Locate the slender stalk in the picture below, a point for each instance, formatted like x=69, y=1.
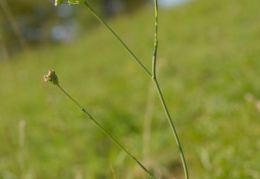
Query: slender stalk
x=155, y=41
x=122, y=43
x=173, y=129
x=111, y=137
x=154, y=78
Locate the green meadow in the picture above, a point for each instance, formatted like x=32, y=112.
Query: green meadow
x=209, y=70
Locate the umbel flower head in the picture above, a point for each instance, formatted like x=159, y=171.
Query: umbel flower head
x=51, y=77
x=57, y=2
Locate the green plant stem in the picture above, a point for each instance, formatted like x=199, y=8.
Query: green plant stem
x=154, y=78
x=173, y=128
x=111, y=137
x=122, y=43
x=155, y=41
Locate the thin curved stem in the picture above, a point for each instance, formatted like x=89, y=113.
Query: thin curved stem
x=153, y=75
x=110, y=136
x=116, y=36
x=154, y=78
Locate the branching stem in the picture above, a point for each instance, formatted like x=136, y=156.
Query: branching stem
x=152, y=76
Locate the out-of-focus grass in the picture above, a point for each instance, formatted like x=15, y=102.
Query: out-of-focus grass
x=209, y=54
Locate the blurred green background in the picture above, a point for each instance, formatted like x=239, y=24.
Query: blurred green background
x=209, y=68
x=37, y=23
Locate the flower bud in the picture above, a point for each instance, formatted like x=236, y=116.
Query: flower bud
x=51, y=77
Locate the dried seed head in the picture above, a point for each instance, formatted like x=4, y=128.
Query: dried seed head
x=51, y=77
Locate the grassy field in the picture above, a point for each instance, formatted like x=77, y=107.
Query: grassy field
x=209, y=73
